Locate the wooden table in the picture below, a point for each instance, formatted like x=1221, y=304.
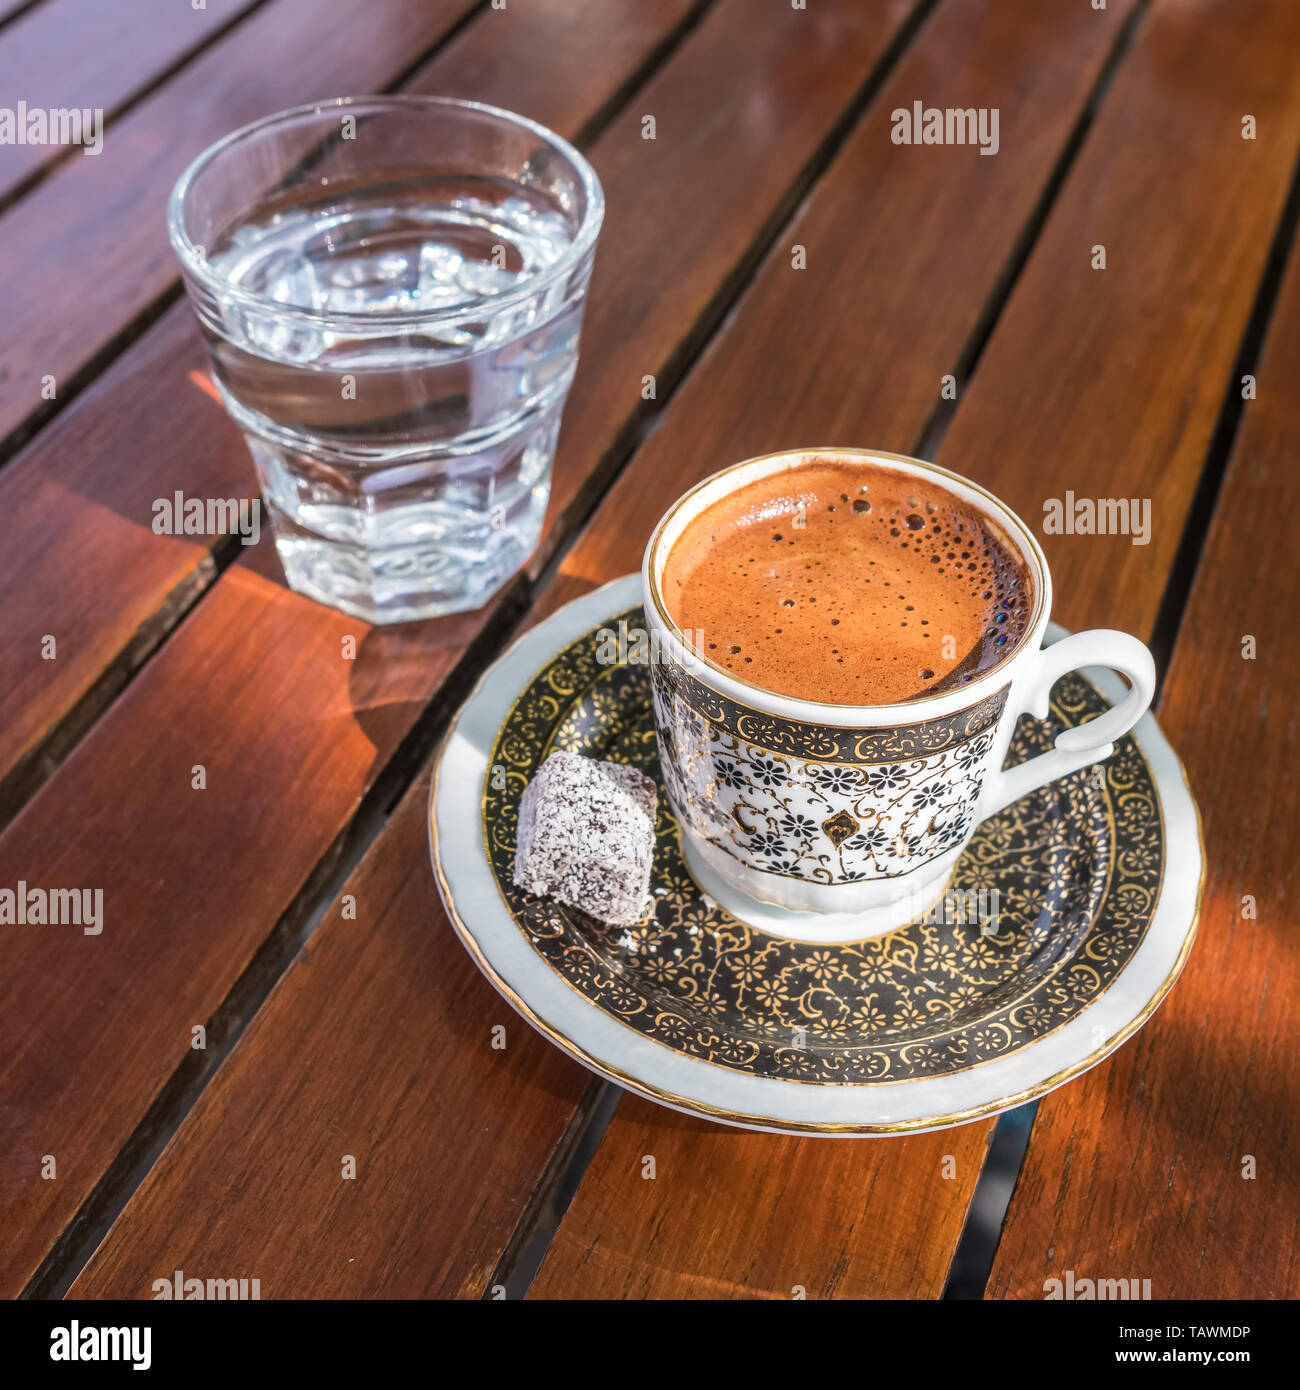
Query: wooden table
x=276, y=999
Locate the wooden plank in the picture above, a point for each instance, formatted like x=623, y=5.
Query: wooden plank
x=292, y=736
x=1011, y=52
x=816, y=1218
x=1178, y=1160
x=83, y=564
x=80, y=564
x=87, y=250
x=1040, y=378
x=83, y=54
x=1108, y=383
x=445, y=1156
x=498, y=59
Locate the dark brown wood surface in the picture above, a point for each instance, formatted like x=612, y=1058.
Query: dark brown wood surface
x=450, y=1134
x=251, y=796
x=1178, y=1160
x=726, y=1214
x=961, y=267
x=1108, y=383
x=84, y=54
x=215, y=694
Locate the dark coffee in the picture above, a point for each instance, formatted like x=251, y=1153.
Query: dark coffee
x=848, y=583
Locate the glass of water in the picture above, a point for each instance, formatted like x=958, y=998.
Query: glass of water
x=391, y=290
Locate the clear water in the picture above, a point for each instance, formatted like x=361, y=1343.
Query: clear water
x=406, y=470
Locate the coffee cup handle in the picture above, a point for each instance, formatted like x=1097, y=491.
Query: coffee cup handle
x=1085, y=743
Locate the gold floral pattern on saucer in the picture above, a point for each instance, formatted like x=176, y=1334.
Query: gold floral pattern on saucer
x=1047, y=905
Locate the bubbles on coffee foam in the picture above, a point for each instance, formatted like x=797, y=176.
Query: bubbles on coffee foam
x=773, y=557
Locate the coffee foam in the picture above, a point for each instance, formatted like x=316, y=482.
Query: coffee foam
x=838, y=581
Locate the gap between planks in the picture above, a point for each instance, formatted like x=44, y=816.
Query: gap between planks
x=945, y=411
x=16, y=12
x=1173, y=603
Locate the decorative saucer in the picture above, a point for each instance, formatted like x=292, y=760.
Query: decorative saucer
x=1093, y=882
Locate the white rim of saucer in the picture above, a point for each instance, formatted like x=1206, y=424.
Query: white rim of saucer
x=610, y=1048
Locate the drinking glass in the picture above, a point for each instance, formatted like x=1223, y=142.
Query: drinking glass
x=391, y=290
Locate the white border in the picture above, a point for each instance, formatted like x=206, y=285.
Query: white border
x=929, y=1103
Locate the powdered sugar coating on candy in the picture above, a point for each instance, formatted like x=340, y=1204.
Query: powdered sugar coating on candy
x=586, y=836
